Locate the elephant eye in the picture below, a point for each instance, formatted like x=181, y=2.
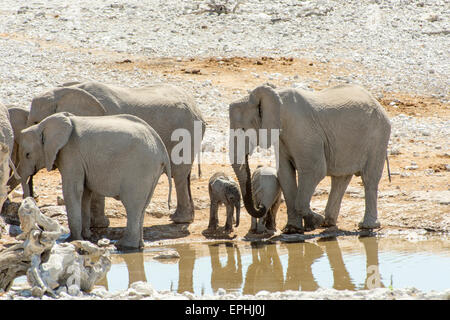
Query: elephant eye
x=27, y=155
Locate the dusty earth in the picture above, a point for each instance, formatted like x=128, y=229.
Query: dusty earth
x=411, y=201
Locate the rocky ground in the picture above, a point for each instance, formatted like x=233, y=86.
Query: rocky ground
x=396, y=49
x=144, y=291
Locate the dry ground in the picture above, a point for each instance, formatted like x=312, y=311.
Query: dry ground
x=397, y=209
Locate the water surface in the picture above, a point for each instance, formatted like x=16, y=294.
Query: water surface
x=352, y=264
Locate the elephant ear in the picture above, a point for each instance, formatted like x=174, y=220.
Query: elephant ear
x=269, y=103
x=77, y=101
x=56, y=131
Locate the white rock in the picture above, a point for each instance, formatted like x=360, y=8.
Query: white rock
x=143, y=288
x=170, y=254
x=73, y=290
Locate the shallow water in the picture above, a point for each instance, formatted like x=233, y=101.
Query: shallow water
x=353, y=264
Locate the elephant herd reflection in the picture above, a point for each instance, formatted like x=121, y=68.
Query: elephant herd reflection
x=258, y=266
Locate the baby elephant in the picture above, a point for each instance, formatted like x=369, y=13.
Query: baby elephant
x=267, y=192
x=223, y=189
x=117, y=156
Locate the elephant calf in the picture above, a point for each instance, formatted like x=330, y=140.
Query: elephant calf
x=115, y=156
x=266, y=191
x=223, y=190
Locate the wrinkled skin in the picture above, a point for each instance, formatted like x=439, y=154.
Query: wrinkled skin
x=223, y=190
x=114, y=156
x=266, y=192
x=6, y=147
x=164, y=107
x=339, y=132
x=18, y=118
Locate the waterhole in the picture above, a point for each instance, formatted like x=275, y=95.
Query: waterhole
x=352, y=264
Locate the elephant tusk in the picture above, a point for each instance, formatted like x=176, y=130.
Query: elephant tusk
x=14, y=170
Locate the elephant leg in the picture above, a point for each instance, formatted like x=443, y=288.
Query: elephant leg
x=73, y=192
x=288, y=183
x=86, y=213
x=253, y=225
x=338, y=187
x=98, y=217
x=271, y=222
x=132, y=236
x=371, y=176
x=307, y=184
x=261, y=225
x=229, y=221
x=185, y=205
x=135, y=204
x=213, y=215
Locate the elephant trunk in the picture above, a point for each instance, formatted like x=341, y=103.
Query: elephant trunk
x=27, y=187
x=26, y=180
x=244, y=177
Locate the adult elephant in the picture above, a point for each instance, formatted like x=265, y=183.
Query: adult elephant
x=338, y=132
x=164, y=107
x=6, y=147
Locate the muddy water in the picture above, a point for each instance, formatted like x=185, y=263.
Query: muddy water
x=248, y=268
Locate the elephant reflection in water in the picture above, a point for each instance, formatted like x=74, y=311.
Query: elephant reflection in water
x=299, y=274
x=342, y=278
x=228, y=277
x=373, y=277
x=135, y=268
x=186, y=268
x=265, y=272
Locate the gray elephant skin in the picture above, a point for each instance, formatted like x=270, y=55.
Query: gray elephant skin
x=18, y=118
x=223, y=190
x=6, y=147
x=164, y=107
x=266, y=192
x=339, y=132
x=115, y=156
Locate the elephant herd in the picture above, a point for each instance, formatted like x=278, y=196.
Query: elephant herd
x=111, y=141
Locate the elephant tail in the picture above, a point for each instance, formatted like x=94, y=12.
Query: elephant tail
x=388, y=169
x=169, y=177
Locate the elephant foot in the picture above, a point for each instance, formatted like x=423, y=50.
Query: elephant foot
x=313, y=221
x=256, y=231
x=129, y=244
x=183, y=216
x=228, y=229
x=100, y=222
x=328, y=222
x=73, y=238
x=369, y=225
x=291, y=229
x=87, y=234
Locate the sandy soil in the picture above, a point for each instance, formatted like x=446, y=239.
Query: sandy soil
x=397, y=206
